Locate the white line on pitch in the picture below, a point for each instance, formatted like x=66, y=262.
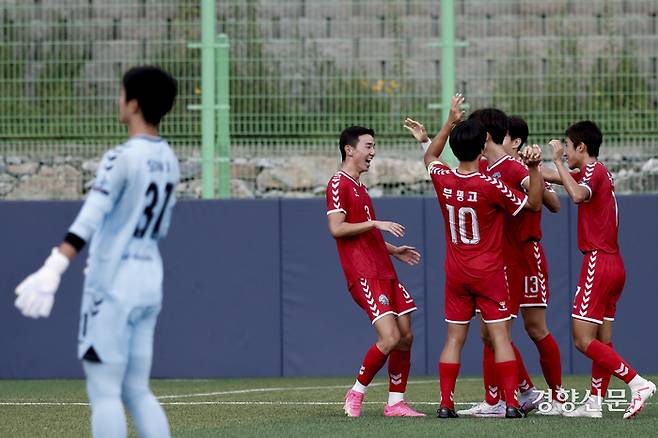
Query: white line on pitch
x=242, y=403
x=287, y=388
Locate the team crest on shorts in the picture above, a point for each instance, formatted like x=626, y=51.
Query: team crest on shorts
x=383, y=299
x=502, y=306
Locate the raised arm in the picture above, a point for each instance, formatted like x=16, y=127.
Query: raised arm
x=549, y=197
x=532, y=158
x=435, y=148
x=576, y=192
x=551, y=175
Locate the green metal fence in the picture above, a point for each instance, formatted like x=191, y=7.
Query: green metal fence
x=302, y=70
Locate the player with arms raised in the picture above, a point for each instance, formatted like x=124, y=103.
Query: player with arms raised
x=474, y=206
x=371, y=278
x=127, y=212
x=524, y=259
x=602, y=275
x=526, y=269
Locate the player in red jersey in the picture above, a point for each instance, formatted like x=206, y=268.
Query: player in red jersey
x=473, y=206
x=532, y=280
x=526, y=269
x=526, y=265
x=602, y=274
x=371, y=278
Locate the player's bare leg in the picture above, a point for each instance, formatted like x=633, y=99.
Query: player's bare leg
x=534, y=319
x=449, y=363
x=585, y=335
x=388, y=337
x=399, y=364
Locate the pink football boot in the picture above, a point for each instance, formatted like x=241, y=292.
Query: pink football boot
x=353, y=400
x=401, y=409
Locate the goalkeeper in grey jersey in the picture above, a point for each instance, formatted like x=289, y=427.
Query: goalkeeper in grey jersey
x=125, y=214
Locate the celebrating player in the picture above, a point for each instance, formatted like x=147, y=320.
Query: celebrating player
x=602, y=275
x=527, y=281
x=127, y=212
x=371, y=278
x=473, y=206
x=530, y=275
x=526, y=271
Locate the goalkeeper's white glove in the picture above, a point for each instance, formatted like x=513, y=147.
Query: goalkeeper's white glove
x=36, y=294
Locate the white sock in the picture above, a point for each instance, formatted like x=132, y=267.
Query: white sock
x=395, y=397
x=637, y=382
x=358, y=387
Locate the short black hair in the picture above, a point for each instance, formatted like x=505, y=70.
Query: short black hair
x=588, y=133
x=350, y=136
x=518, y=128
x=494, y=121
x=154, y=88
x=467, y=139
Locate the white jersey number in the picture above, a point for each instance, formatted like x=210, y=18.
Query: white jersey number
x=461, y=224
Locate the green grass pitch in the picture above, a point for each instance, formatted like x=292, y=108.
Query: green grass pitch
x=301, y=407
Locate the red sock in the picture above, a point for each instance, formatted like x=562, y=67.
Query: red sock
x=600, y=379
x=525, y=382
x=491, y=393
x=549, y=359
x=608, y=360
x=508, y=378
x=448, y=373
x=372, y=363
x=399, y=364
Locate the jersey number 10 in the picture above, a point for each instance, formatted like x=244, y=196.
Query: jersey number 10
x=149, y=211
x=463, y=235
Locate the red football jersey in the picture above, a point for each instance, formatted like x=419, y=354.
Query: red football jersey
x=364, y=255
x=598, y=217
x=523, y=227
x=474, y=208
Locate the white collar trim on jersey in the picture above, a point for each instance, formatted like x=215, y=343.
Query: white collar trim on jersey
x=358, y=183
x=465, y=175
x=500, y=160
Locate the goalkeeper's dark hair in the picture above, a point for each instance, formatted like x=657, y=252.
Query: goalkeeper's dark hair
x=587, y=133
x=153, y=88
x=467, y=139
x=350, y=136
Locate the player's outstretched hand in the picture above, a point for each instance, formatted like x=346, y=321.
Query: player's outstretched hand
x=417, y=129
x=36, y=294
x=456, y=112
x=407, y=254
x=531, y=155
x=558, y=149
x=394, y=228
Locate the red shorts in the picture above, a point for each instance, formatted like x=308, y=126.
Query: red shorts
x=488, y=294
x=379, y=297
x=528, y=279
x=601, y=282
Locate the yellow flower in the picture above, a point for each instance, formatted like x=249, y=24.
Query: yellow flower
x=379, y=86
